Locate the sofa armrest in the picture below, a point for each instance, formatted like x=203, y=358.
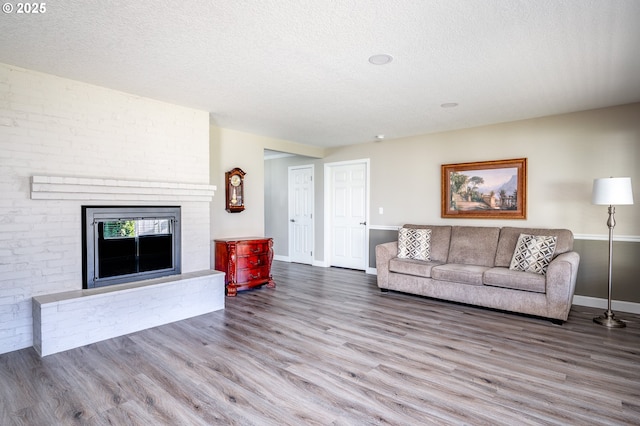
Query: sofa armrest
x=384, y=253
x=562, y=273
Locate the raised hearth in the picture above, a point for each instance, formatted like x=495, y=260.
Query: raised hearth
x=71, y=319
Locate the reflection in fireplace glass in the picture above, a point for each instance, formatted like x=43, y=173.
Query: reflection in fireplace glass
x=132, y=246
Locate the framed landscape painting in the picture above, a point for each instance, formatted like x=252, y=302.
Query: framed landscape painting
x=486, y=189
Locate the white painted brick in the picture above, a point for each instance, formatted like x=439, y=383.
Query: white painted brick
x=8, y=267
x=16, y=312
x=75, y=131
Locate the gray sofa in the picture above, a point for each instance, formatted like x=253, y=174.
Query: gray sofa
x=471, y=265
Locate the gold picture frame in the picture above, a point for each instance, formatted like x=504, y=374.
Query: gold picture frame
x=485, y=190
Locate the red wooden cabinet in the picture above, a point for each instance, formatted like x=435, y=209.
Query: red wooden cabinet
x=245, y=261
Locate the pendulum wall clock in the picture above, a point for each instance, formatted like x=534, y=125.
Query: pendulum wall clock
x=234, y=190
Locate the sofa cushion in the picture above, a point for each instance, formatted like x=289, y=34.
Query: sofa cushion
x=509, y=239
x=414, y=243
x=440, y=239
x=533, y=253
x=517, y=280
x=472, y=245
x=418, y=268
x=465, y=274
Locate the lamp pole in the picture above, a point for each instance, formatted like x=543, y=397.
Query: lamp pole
x=608, y=319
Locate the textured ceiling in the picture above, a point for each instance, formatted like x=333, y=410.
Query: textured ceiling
x=298, y=69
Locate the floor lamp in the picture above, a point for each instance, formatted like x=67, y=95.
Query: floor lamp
x=609, y=192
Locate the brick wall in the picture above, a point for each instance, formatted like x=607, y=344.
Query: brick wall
x=51, y=126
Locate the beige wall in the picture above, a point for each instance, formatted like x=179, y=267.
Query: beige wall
x=232, y=148
x=565, y=153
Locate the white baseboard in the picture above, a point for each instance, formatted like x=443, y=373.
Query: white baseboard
x=616, y=305
x=320, y=263
x=287, y=259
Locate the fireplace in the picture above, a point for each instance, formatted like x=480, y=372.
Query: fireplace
x=129, y=243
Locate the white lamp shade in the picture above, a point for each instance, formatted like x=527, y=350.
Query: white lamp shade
x=612, y=191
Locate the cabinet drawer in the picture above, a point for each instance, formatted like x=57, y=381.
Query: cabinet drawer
x=247, y=262
x=253, y=274
x=254, y=248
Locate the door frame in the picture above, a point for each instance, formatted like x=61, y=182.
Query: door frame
x=328, y=192
x=313, y=219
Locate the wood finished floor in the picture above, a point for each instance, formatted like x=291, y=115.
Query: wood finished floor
x=327, y=347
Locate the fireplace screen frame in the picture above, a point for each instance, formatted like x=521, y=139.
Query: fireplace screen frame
x=93, y=215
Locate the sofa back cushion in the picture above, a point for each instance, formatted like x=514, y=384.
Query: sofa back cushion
x=474, y=245
x=509, y=240
x=440, y=239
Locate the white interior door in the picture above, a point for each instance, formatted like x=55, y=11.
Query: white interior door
x=348, y=215
x=301, y=232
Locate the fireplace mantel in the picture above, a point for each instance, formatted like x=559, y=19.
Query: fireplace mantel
x=105, y=189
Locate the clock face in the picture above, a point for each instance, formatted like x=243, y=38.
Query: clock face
x=235, y=180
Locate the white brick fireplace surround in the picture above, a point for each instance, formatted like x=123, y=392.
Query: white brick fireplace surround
x=70, y=319
x=65, y=144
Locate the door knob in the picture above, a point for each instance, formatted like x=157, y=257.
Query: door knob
x=292, y=220
x=363, y=223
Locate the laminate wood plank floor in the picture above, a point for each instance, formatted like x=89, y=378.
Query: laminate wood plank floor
x=326, y=347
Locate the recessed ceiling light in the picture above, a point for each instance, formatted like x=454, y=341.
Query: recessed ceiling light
x=449, y=105
x=380, y=59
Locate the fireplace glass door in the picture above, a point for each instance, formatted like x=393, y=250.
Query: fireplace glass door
x=130, y=244
x=134, y=245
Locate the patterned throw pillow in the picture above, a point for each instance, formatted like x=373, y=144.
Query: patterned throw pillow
x=533, y=253
x=414, y=244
